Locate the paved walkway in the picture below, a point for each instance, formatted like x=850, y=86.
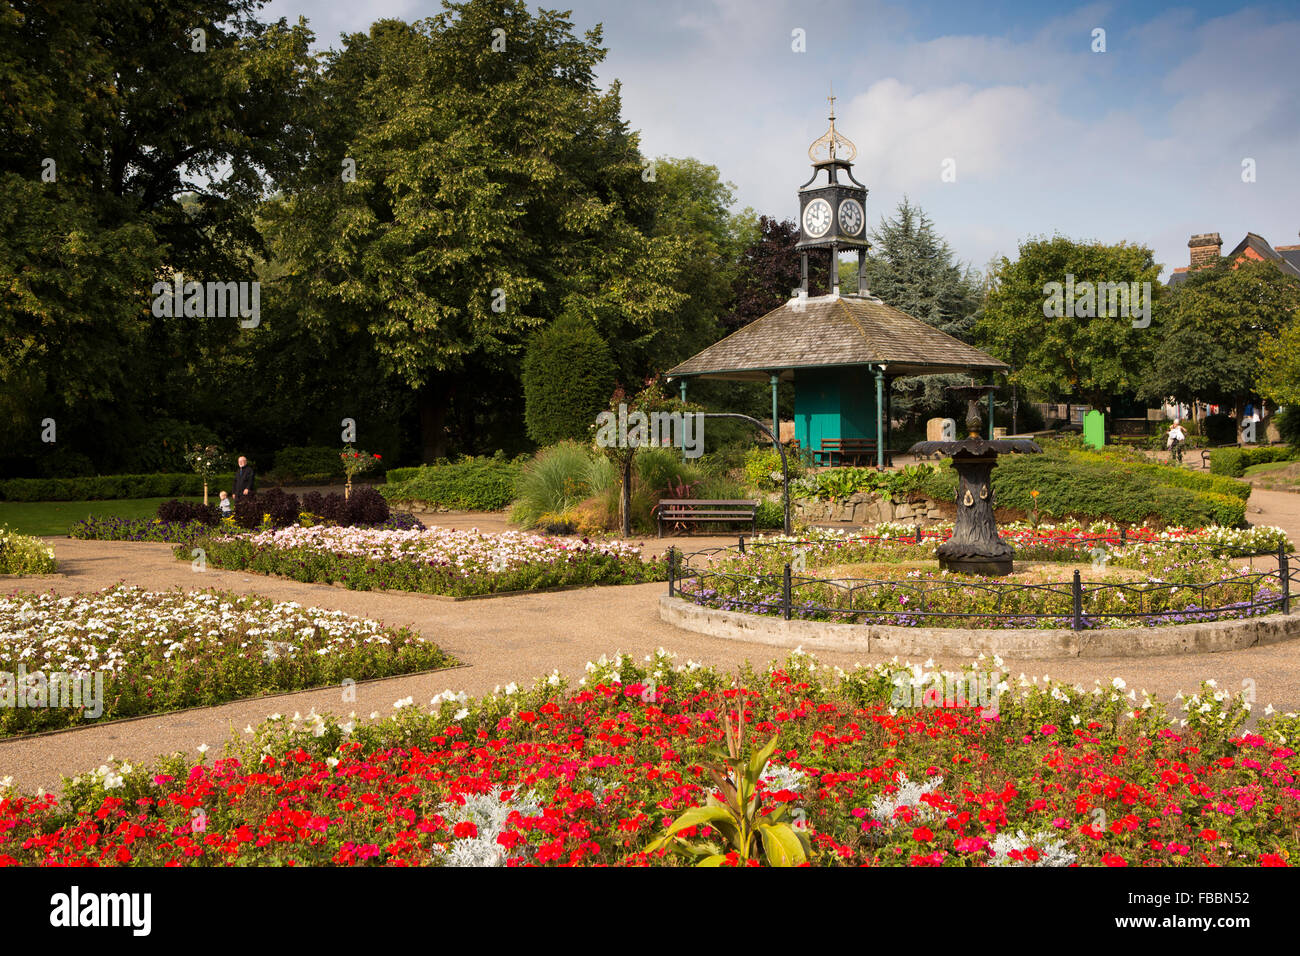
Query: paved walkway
x=522, y=638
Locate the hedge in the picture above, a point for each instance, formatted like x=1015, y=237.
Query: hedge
x=111, y=487
x=1235, y=461
x=396, y=475
x=1075, y=487
x=471, y=484
x=307, y=463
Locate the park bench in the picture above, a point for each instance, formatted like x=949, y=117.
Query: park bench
x=1205, y=452
x=854, y=451
x=683, y=510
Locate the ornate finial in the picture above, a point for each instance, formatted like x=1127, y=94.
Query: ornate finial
x=832, y=144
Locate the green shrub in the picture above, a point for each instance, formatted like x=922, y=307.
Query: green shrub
x=763, y=467
x=722, y=488
x=306, y=463
x=1134, y=460
x=396, y=475
x=23, y=554
x=471, y=484
x=1235, y=461
x=110, y=487
x=1072, y=486
x=771, y=514
x=843, y=482
x=556, y=480
x=1288, y=426
x=1103, y=485
x=568, y=377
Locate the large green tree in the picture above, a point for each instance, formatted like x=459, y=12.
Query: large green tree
x=132, y=147
x=1211, y=330
x=913, y=269
x=496, y=186
x=1089, y=354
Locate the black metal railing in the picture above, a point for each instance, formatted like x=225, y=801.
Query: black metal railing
x=1080, y=603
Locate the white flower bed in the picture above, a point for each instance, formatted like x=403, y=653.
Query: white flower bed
x=465, y=551
x=99, y=631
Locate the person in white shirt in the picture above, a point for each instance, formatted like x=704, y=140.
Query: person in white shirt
x=1175, y=439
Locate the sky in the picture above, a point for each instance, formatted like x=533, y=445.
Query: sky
x=1149, y=141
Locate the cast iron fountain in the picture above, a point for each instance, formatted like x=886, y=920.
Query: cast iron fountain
x=975, y=546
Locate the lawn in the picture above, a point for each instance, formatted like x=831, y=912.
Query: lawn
x=56, y=517
x=1266, y=467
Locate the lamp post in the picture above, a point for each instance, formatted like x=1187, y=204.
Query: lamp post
x=785, y=468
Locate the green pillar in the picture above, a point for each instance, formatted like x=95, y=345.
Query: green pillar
x=992, y=381
x=776, y=422
x=880, y=419
x=683, y=388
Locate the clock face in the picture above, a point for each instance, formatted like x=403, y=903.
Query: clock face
x=851, y=217
x=817, y=218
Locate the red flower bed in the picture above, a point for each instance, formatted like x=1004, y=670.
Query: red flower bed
x=553, y=777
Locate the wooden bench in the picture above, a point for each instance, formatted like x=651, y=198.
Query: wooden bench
x=854, y=451
x=681, y=510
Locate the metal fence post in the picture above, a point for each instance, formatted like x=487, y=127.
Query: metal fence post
x=672, y=571
x=742, y=544
x=1284, y=572
x=1078, y=602
x=1123, y=534
x=919, y=533
x=785, y=592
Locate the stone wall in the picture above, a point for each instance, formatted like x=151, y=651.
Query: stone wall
x=865, y=509
x=1031, y=644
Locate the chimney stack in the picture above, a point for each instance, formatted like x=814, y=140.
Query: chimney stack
x=1206, y=248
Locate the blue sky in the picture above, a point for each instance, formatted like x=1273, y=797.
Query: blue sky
x=1144, y=142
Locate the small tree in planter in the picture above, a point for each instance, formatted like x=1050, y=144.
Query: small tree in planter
x=649, y=400
x=354, y=463
x=206, y=460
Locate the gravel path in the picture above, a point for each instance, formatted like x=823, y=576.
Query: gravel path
x=520, y=639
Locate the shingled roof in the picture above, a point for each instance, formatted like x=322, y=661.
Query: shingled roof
x=834, y=330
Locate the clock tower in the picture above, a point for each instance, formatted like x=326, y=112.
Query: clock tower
x=832, y=210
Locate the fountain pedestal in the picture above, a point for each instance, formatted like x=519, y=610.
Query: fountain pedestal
x=975, y=546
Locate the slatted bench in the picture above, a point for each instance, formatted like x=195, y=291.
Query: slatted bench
x=854, y=451
x=682, y=510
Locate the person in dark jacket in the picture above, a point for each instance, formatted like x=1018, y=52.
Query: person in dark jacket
x=243, y=479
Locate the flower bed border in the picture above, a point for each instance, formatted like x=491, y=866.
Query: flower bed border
x=445, y=597
x=163, y=714
x=1027, y=643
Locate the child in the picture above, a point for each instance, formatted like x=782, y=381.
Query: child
x=225, y=506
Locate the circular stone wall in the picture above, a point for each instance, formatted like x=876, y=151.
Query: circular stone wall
x=1030, y=643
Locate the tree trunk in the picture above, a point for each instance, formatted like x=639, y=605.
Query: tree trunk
x=432, y=401
x=625, y=498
